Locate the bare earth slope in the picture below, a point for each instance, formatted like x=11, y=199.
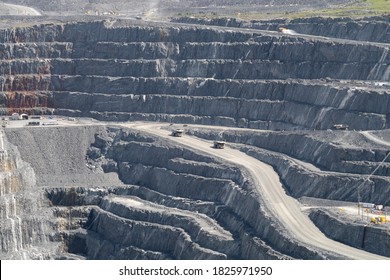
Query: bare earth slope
x=17, y=10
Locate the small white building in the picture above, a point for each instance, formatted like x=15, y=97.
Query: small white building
x=15, y=116
x=379, y=207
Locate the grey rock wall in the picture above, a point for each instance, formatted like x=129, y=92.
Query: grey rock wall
x=141, y=170
x=371, y=238
x=121, y=70
x=302, y=182
x=163, y=174
x=335, y=151
x=26, y=229
x=58, y=155
x=180, y=190
x=374, y=29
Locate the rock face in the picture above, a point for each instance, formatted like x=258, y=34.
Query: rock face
x=373, y=239
x=58, y=155
x=373, y=29
x=322, y=164
x=115, y=70
x=170, y=193
x=98, y=178
x=26, y=230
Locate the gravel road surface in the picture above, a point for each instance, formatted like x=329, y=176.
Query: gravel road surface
x=283, y=207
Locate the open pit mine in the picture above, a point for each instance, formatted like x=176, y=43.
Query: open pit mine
x=131, y=139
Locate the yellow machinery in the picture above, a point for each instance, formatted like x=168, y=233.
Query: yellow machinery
x=377, y=220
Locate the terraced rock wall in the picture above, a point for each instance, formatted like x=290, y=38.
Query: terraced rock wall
x=372, y=29
x=372, y=239
x=99, y=179
x=328, y=165
x=171, y=193
x=120, y=71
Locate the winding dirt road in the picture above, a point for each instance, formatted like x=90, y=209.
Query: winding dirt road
x=283, y=207
x=17, y=10
x=372, y=137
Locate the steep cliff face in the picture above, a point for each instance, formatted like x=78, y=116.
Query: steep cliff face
x=31, y=228
x=201, y=181
x=170, y=193
x=374, y=29
x=116, y=70
x=99, y=178
x=372, y=239
x=26, y=230
x=324, y=164
x=167, y=191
